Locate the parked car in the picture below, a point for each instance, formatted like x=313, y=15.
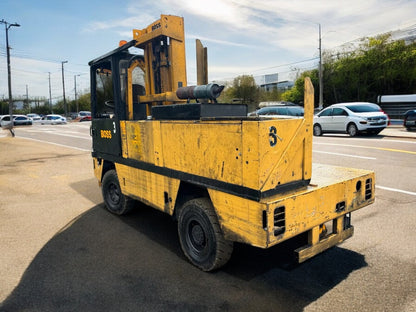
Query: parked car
x=4, y=120
x=34, y=117
x=53, y=119
x=21, y=120
x=279, y=110
x=18, y=120
x=351, y=118
x=410, y=119
x=84, y=116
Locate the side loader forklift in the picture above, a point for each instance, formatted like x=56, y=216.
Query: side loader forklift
x=223, y=176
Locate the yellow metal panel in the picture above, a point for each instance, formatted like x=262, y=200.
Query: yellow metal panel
x=153, y=189
x=168, y=25
x=123, y=136
x=98, y=169
x=283, y=162
x=317, y=204
x=208, y=149
x=139, y=137
x=159, y=157
x=177, y=55
x=251, y=154
x=240, y=218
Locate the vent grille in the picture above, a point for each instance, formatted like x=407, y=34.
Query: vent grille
x=368, y=189
x=279, y=221
x=340, y=206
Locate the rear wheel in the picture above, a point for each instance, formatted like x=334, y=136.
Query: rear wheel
x=352, y=130
x=115, y=201
x=201, y=237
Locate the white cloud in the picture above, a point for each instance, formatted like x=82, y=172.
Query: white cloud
x=242, y=36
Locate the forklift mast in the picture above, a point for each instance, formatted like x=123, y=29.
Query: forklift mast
x=146, y=71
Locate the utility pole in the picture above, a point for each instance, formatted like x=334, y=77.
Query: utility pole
x=63, y=88
x=321, y=87
x=50, y=94
x=75, y=87
x=27, y=98
x=7, y=26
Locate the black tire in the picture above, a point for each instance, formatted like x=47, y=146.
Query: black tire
x=115, y=201
x=201, y=237
x=317, y=130
x=352, y=129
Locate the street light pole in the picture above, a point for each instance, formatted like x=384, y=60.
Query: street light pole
x=63, y=88
x=7, y=26
x=321, y=87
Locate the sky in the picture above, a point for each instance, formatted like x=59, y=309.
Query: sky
x=243, y=37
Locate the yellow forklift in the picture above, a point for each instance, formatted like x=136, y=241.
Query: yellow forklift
x=224, y=177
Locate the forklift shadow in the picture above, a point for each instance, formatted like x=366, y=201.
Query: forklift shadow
x=102, y=262
x=276, y=268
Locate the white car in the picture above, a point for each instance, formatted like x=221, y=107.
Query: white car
x=351, y=118
x=52, y=119
x=18, y=120
x=34, y=117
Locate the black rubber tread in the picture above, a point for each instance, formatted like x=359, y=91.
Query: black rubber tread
x=316, y=133
x=218, y=250
x=115, y=201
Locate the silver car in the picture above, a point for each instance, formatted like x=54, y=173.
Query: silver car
x=351, y=118
x=52, y=119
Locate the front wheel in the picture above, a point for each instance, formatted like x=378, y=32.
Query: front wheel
x=201, y=237
x=115, y=201
x=352, y=130
x=317, y=130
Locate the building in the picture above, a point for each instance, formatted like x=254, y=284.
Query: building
x=271, y=82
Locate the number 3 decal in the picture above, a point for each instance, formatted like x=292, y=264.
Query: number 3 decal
x=273, y=136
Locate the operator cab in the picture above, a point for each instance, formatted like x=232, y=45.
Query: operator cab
x=110, y=75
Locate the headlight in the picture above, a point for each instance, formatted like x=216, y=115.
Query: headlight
x=363, y=121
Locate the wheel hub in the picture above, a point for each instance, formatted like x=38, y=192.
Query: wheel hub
x=114, y=194
x=197, y=235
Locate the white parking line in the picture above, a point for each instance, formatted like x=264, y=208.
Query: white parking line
x=57, y=144
x=395, y=190
x=346, y=155
x=368, y=147
x=61, y=134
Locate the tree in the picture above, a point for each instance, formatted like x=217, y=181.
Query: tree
x=84, y=102
x=379, y=66
x=295, y=94
x=244, y=90
x=4, y=107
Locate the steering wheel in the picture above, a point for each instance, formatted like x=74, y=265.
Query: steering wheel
x=109, y=104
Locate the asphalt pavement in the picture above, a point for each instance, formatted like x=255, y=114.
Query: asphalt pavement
x=41, y=197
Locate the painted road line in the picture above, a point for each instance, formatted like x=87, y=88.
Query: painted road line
x=395, y=190
x=62, y=134
x=57, y=144
x=346, y=155
x=368, y=147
